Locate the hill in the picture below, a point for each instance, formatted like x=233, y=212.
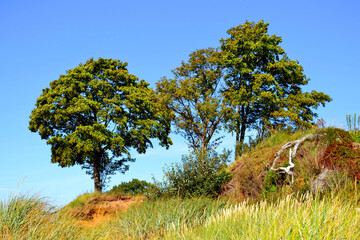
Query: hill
x=318, y=157
x=300, y=185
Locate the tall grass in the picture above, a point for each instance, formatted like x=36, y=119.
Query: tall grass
x=307, y=217
x=154, y=219
x=353, y=123
x=30, y=217
x=333, y=216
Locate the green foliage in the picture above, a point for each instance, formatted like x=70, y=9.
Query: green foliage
x=270, y=183
x=194, y=95
x=95, y=114
x=263, y=85
x=199, y=174
x=133, y=187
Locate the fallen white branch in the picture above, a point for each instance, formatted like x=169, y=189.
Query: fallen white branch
x=292, y=154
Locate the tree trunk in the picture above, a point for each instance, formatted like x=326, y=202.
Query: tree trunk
x=240, y=133
x=203, y=146
x=237, y=138
x=96, y=175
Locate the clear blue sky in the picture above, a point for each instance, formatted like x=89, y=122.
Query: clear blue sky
x=39, y=40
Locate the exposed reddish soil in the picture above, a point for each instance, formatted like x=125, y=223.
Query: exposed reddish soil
x=103, y=207
x=343, y=154
x=356, y=145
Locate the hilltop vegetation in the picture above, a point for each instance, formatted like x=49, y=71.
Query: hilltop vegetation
x=294, y=180
x=260, y=203
x=97, y=112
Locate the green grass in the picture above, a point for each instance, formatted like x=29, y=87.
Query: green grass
x=30, y=217
x=333, y=215
x=307, y=217
x=82, y=199
x=286, y=215
x=154, y=219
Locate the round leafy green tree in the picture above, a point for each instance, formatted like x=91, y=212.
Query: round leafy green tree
x=262, y=84
x=94, y=114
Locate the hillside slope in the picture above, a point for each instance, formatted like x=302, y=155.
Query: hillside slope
x=328, y=149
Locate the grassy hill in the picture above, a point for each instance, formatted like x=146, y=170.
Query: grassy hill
x=257, y=203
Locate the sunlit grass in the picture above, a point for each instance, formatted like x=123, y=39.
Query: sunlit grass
x=30, y=217
x=333, y=216
x=82, y=199
x=306, y=217
x=154, y=219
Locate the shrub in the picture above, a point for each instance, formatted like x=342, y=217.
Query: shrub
x=199, y=174
x=271, y=180
x=133, y=187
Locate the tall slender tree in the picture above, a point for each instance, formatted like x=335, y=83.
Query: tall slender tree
x=94, y=114
x=194, y=95
x=262, y=83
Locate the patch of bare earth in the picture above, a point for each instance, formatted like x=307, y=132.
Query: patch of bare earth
x=101, y=208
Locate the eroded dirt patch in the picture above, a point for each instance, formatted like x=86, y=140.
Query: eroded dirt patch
x=103, y=207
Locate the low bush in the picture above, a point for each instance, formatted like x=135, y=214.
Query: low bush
x=199, y=174
x=133, y=187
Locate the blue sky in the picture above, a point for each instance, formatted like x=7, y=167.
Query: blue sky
x=39, y=40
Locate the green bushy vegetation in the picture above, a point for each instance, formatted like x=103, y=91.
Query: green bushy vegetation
x=133, y=187
x=199, y=174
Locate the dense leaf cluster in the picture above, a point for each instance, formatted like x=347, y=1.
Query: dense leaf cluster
x=199, y=174
x=248, y=83
x=95, y=114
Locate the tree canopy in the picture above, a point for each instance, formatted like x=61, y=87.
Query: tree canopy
x=262, y=84
x=194, y=95
x=94, y=114
x=249, y=83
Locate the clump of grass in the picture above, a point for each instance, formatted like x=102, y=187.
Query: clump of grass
x=30, y=217
x=82, y=199
x=279, y=137
x=306, y=217
x=153, y=219
x=353, y=123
